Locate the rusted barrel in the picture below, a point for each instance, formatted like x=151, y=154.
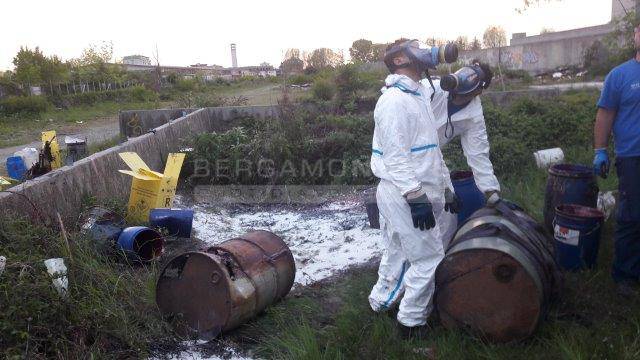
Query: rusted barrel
x=498, y=275
x=213, y=291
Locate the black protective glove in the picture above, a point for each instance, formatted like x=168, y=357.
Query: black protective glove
x=422, y=212
x=452, y=203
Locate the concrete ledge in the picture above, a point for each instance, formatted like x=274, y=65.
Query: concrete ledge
x=64, y=189
x=137, y=122
x=506, y=98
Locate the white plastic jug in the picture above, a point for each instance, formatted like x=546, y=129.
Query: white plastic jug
x=548, y=157
x=58, y=271
x=28, y=155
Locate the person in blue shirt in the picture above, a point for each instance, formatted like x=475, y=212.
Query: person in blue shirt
x=619, y=110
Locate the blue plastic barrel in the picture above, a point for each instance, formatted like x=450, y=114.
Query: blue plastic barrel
x=178, y=222
x=16, y=168
x=466, y=189
x=140, y=243
x=103, y=226
x=577, y=236
x=569, y=184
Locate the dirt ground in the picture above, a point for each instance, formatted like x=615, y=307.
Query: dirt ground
x=96, y=131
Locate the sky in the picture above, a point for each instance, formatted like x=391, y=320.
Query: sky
x=188, y=32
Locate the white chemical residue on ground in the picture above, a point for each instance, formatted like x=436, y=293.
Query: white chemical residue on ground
x=194, y=353
x=323, y=239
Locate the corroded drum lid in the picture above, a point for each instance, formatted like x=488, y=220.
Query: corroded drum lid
x=193, y=292
x=488, y=292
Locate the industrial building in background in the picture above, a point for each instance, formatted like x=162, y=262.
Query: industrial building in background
x=547, y=52
x=136, y=60
x=204, y=71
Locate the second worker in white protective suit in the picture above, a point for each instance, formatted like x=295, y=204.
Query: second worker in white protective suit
x=411, y=195
x=459, y=113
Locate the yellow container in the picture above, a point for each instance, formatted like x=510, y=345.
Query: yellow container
x=150, y=189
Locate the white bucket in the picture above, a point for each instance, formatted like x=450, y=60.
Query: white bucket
x=58, y=271
x=548, y=157
x=606, y=203
x=3, y=263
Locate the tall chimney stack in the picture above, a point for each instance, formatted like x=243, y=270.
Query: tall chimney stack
x=234, y=59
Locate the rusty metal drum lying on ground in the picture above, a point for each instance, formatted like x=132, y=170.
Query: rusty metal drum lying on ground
x=214, y=291
x=498, y=276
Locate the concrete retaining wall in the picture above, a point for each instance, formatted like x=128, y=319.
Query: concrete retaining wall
x=137, y=122
x=542, y=53
x=64, y=189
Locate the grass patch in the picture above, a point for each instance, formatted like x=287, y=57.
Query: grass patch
x=110, y=311
x=18, y=130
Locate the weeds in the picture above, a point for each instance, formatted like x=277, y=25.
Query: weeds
x=110, y=310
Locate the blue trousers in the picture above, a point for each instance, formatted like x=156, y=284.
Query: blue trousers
x=626, y=262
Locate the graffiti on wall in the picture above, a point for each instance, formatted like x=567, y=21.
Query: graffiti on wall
x=518, y=58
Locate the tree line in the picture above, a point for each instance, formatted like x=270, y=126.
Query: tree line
x=32, y=67
x=366, y=51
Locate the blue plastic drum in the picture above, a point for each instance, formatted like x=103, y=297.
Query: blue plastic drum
x=178, y=222
x=140, y=243
x=569, y=184
x=16, y=167
x=466, y=189
x=577, y=236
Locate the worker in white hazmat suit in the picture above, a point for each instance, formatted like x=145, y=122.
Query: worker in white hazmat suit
x=459, y=112
x=411, y=195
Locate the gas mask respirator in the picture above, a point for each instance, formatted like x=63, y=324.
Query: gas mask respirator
x=422, y=58
x=467, y=80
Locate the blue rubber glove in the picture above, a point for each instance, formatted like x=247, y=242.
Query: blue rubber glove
x=422, y=212
x=601, y=163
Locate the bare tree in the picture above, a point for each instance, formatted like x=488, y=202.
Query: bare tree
x=462, y=42
x=494, y=37
x=158, y=69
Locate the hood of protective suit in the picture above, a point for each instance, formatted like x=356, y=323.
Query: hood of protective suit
x=439, y=106
x=402, y=81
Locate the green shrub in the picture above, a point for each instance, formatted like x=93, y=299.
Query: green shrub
x=30, y=105
x=187, y=85
x=341, y=144
x=323, y=89
x=294, y=147
x=300, y=79
x=530, y=124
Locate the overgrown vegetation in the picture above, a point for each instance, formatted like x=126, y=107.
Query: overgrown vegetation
x=615, y=49
x=109, y=311
x=286, y=150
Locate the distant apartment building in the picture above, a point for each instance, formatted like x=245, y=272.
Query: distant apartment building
x=136, y=60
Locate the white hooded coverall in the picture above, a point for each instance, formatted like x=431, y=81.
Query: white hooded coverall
x=468, y=123
x=406, y=157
